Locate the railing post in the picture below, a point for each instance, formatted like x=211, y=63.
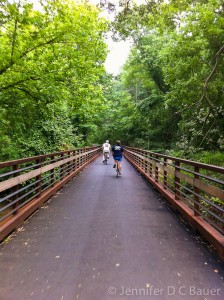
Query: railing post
x=138, y=159
x=85, y=155
x=38, y=179
x=66, y=164
x=132, y=157
x=69, y=163
x=79, y=158
x=89, y=154
x=150, y=165
x=196, y=193
x=146, y=162
x=142, y=161
x=177, y=181
x=62, y=168
x=15, y=189
x=52, y=173
x=74, y=160
x=156, y=169
x=165, y=173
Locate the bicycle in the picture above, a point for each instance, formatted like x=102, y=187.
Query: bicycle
x=105, y=158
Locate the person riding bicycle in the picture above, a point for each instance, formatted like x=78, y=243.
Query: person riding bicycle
x=106, y=150
x=117, y=151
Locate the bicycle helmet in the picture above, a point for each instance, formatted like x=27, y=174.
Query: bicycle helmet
x=107, y=141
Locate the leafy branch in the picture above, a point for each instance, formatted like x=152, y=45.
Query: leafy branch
x=14, y=35
x=27, y=92
x=211, y=75
x=14, y=84
x=28, y=51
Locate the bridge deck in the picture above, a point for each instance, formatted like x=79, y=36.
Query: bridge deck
x=107, y=238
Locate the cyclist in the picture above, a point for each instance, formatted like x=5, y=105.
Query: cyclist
x=106, y=150
x=117, y=151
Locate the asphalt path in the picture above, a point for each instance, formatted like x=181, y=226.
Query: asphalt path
x=103, y=237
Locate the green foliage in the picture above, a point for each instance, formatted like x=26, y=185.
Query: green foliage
x=55, y=94
x=51, y=64
x=116, y=117
x=207, y=157
x=175, y=73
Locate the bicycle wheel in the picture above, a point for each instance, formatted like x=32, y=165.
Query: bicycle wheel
x=105, y=159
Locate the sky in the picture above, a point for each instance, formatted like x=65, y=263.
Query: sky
x=117, y=51
x=117, y=56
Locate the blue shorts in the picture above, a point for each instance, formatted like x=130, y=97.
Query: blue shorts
x=118, y=158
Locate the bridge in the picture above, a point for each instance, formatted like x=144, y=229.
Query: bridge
x=71, y=230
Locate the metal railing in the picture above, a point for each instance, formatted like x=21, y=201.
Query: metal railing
x=25, y=184
x=195, y=189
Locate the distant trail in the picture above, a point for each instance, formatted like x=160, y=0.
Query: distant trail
x=107, y=238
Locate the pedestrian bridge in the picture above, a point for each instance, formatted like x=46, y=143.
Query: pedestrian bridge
x=72, y=230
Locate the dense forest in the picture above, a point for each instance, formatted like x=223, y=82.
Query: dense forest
x=55, y=93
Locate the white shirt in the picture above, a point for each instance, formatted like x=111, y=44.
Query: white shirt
x=106, y=147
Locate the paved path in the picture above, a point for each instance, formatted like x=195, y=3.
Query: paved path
x=107, y=238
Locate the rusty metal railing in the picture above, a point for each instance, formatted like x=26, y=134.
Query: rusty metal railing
x=25, y=184
x=194, y=189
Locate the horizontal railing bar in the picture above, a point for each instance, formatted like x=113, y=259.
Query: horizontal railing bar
x=31, y=166
x=19, y=191
x=24, y=195
x=186, y=170
x=169, y=189
x=202, y=198
x=211, y=222
x=189, y=162
x=9, y=183
x=28, y=159
x=207, y=219
x=8, y=205
x=19, y=206
x=202, y=206
x=202, y=176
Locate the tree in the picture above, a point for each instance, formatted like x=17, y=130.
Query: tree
x=179, y=53
x=50, y=67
